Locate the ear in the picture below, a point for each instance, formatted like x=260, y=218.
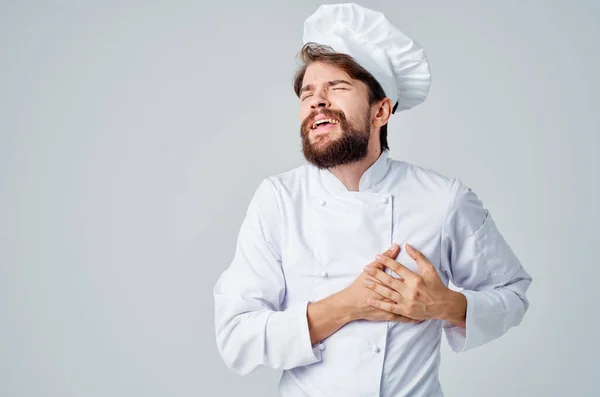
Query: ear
x=381, y=110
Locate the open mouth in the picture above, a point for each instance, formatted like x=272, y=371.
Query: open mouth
x=324, y=124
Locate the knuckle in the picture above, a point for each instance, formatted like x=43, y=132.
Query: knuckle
x=376, y=265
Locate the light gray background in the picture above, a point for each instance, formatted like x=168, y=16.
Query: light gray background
x=132, y=138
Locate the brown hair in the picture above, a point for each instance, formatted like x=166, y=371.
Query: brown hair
x=313, y=52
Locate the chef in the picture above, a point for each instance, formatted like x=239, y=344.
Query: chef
x=342, y=265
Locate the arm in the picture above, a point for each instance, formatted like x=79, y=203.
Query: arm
x=325, y=317
x=251, y=328
x=478, y=259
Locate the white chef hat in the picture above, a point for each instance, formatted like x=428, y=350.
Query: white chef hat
x=397, y=62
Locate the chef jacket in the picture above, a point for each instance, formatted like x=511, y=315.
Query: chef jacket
x=305, y=236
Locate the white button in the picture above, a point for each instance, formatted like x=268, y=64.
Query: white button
x=323, y=274
x=385, y=200
x=323, y=202
x=321, y=346
x=375, y=349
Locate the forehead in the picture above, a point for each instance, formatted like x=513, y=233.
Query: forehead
x=318, y=72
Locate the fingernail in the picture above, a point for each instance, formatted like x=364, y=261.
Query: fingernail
x=367, y=283
x=392, y=247
x=378, y=257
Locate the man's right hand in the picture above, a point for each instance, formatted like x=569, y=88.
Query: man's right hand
x=354, y=297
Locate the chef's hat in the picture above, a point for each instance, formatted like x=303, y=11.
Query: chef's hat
x=394, y=59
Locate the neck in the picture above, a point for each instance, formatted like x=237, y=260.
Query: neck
x=350, y=174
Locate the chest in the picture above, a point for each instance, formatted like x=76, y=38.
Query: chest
x=330, y=238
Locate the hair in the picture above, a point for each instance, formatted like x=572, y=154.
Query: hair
x=313, y=52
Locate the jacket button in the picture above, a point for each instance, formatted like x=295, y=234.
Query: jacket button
x=385, y=200
x=375, y=349
x=323, y=274
x=323, y=202
x=321, y=346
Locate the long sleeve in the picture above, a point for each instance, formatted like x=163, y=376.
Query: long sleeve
x=251, y=329
x=478, y=259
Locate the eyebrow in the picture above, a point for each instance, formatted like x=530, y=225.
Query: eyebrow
x=329, y=84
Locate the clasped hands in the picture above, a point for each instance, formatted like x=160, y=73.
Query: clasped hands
x=412, y=297
x=378, y=296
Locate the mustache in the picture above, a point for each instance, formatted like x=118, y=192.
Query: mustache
x=309, y=120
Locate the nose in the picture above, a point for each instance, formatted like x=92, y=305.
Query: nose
x=319, y=100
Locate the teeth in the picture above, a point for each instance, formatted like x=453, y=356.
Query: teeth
x=332, y=121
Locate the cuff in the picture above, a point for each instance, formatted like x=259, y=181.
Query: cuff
x=462, y=339
x=288, y=332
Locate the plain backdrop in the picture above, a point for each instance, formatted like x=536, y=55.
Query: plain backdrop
x=133, y=135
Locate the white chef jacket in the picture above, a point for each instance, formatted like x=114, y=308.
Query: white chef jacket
x=305, y=236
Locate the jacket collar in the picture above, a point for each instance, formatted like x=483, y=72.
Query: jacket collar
x=370, y=177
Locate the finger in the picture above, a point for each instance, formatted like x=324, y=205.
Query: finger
x=377, y=294
x=422, y=262
x=387, y=306
x=408, y=275
x=372, y=279
x=386, y=280
x=384, y=291
x=391, y=252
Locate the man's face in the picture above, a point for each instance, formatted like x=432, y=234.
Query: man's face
x=335, y=115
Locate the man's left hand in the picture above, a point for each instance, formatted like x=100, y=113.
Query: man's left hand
x=420, y=296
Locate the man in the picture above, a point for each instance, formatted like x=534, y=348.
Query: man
x=298, y=296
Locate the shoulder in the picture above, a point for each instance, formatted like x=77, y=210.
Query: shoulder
x=447, y=193
x=424, y=180
x=293, y=183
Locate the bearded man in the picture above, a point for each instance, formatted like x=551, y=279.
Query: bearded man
x=342, y=265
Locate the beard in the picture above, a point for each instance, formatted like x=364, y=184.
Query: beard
x=326, y=152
